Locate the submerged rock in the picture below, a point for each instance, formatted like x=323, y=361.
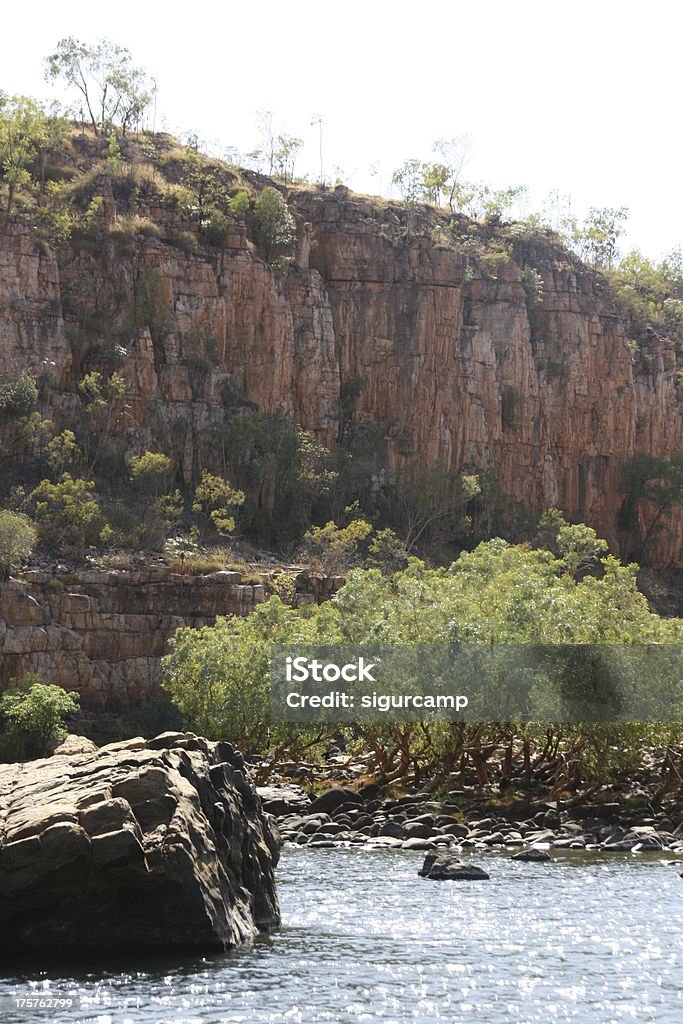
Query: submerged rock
x=158, y=845
x=443, y=867
x=537, y=856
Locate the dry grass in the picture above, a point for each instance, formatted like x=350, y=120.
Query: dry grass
x=131, y=224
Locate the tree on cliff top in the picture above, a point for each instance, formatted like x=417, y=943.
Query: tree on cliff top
x=114, y=90
x=596, y=239
x=274, y=222
x=27, y=130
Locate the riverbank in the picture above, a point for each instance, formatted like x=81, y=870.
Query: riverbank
x=460, y=821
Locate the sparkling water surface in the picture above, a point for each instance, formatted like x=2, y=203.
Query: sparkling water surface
x=588, y=938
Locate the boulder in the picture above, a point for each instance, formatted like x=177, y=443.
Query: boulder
x=445, y=867
x=334, y=799
x=537, y=856
x=134, y=845
x=281, y=800
x=75, y=745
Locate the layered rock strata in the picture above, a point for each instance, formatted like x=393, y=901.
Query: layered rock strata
x=103, y=633
x=452, y=359
x=156, y=844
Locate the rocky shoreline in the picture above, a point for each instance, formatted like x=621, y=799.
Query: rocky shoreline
x=346, y=817
x=166, y=843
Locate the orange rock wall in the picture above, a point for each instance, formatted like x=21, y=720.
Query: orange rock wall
x=441, y=345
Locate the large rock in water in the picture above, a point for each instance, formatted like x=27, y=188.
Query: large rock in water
x=158, y=844
x=445, y=867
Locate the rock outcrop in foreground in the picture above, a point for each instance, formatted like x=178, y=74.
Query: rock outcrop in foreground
x=157, y=844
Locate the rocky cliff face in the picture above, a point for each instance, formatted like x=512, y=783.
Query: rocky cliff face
x=157, y=844
x=103, y=633
x=456, y=364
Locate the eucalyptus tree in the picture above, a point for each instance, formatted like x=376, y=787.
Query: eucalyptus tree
x=115, y=91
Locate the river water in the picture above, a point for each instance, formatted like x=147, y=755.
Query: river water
x=588, y=938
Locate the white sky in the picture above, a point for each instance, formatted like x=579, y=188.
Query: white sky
x=584, y=97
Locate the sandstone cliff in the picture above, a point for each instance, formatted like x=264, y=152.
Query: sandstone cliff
x=103, y=633
x=455, y=363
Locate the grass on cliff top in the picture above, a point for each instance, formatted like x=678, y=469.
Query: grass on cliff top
x=158, y=170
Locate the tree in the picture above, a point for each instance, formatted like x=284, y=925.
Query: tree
x=101, y=397
x=114, y=90
x=161, y=510
x=67, y=513
x=274, y=222
x=653, y=487
x=423, y=498
x=596, y=239
x=214, y=501
x=150, y=471
x=32, y=714
x=285, y=155
x=283, y=470
x=207, y=194
x=650, y=295
x=336, y=549
x=498, y=601
x=219, y=677
x=494, y=204
x=409, y=179
x=434, y=182
x=387, y=553
x=18, y=395
x=549, y=526
x=240, y=203
x=579, y=545
x=62, y=451
x=17, y=539
x=27, y=130
x=454, y=154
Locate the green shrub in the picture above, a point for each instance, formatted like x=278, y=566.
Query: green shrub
x=214, y=499
x=18, y=396
x=67, y=514
x=333, y=549
x=387, y=553
x=32, y=718
x=205, y=675
x=274, y=222
x=216, y=230
x=150, y=471
x=240, y=203
x=17, y=538
x=532, y=283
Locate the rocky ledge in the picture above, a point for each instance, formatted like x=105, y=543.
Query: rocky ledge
x=159, y=844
